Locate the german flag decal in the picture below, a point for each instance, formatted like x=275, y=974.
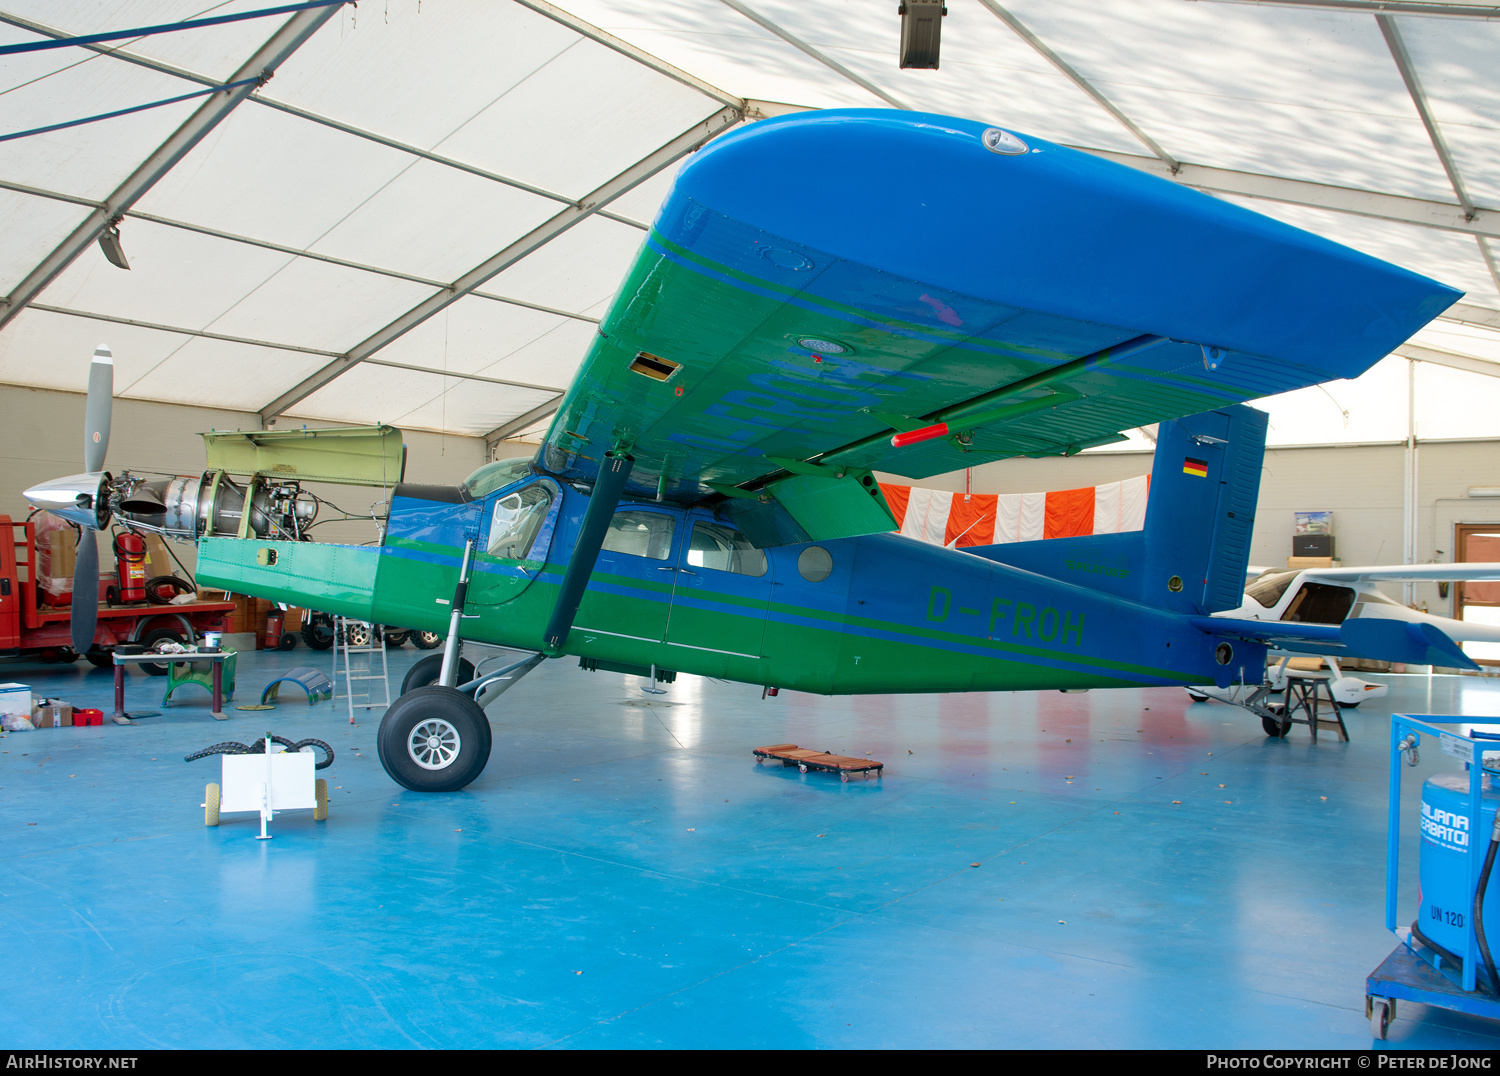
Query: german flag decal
x=1195, y=467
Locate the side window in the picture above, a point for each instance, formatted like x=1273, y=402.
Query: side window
x=516, y=520
x=641, y=534
x=724, y=549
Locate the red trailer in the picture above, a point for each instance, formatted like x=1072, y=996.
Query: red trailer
x=30, y=629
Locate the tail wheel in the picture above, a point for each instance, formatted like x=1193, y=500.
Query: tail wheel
x=1275, y=726
x=434, y=739
x=211, y=805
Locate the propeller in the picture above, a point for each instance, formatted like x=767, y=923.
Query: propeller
x=85, y=614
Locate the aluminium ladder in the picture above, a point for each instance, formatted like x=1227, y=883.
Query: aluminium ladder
x=355, y=644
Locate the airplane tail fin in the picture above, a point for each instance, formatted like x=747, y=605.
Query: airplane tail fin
x=1205, y=482
x=1192, y=555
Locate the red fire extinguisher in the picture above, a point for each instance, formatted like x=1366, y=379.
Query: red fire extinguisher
x=274, y=620
x=130, y=564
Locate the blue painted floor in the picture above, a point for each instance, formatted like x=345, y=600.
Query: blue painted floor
x=682, y=896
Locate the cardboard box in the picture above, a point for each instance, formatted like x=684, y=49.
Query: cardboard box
x=1300, y=564
x=15, y=699
x=52, y=714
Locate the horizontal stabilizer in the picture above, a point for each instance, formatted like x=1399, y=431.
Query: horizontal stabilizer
x=1400, y=640
x=1277, y=633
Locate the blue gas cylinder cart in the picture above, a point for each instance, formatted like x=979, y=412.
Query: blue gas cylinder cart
x=1446, y=956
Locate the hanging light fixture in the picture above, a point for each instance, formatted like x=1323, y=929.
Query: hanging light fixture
x=109, y=242
x=921, y=28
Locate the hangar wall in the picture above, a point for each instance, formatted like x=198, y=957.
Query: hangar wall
x=41, y=437
x=1361, y=484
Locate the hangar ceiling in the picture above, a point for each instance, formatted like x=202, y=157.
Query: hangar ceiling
x=421, y=216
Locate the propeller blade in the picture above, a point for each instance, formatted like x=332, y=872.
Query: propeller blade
x=96, y=413
x=85, y=614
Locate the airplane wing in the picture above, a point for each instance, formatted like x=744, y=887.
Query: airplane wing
x=817, y=283
x=1462, y=572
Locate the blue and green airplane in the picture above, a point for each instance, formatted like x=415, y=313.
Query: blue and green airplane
x=833, y=293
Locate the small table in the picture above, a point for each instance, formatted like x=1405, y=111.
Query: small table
x=217, y=657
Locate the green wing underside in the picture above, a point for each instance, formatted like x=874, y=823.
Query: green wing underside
x=733, y=392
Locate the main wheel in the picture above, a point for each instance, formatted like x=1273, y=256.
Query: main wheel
x=426, y=640
x=434, y=739
x=426, y=671
x=1347, y=705
x=317, y=631
x=151, y=638
x=358, y=634
x=394, y=636
x=211, y=805
x=1196, y=697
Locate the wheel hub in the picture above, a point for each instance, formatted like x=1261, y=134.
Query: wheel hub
x=433, y=744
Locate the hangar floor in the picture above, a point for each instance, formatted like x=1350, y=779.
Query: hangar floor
x=734, y=906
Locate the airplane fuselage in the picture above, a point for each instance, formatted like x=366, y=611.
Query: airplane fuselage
x=677, y=589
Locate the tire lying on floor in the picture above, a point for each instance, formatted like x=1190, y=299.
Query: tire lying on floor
x=434, y=739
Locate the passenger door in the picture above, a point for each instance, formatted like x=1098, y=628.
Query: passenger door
x=630, y=589
x=722, y=588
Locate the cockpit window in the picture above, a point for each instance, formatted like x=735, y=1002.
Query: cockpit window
x=516, y=520
x=1269, y=587
x=493, y=476
x=1320, y=603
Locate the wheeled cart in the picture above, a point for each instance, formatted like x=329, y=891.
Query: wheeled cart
x=1415, y=971
x=791, y=755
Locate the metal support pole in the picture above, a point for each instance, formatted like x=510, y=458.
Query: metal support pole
x=606, y=495
x=452, y=648
x=1409, y=517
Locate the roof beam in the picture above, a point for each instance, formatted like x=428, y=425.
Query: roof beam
x=266, y=244
x=631, y=177
x=1434, y=8
x=1397, y=45
x=520, y=422
x=625, y=48
x=179, y=330
x=326, y=121
x=1443, y=216
x=1451, y=359
x=1468, y=314
x=822, y=58
x=1082, y=83
x=262, y=65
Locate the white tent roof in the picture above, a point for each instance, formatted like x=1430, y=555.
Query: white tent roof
x=420, y=218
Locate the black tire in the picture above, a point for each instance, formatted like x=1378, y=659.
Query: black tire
x=101, y=659
x=394, y=636
x=317, y=631
x=426, y=671
x=453, y=753
x=150, y=639
x=1275, y=727
x=426, y=640
x=1347, y=705
x=64, y=655
x=288, y=642
x=1197, y=698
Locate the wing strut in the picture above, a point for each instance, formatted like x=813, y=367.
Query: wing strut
x=606, y=496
